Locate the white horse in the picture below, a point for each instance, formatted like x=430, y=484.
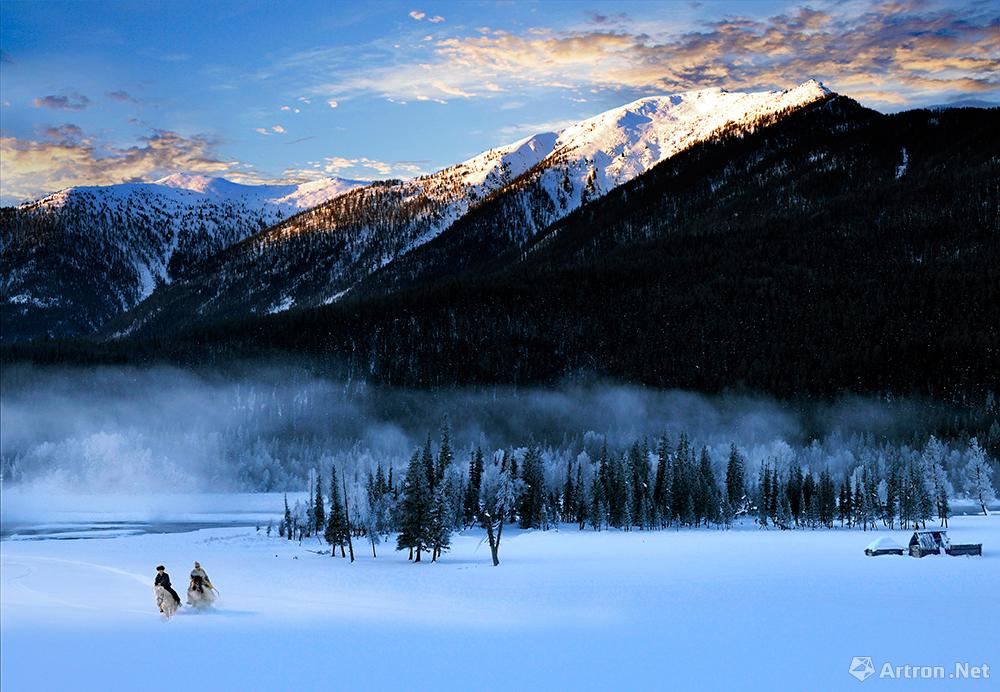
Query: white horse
x=165, y=602
x=201, y=596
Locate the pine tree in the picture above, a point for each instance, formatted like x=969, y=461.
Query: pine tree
x=706, y=491
x=373, y=495
x=428, y=465
x=285, y=527
x=828, y=499
x=470, y=504
x=872, y=504
x=310, y=518
x=735, y=480
x=445, y=456
x=842, y=511
x=764, y=501
x=581, y=509
x=568, y=500
x=415, y=508
x=319, y=512
x=812, y=510
x=439, y=528
x=794, y=492
x=783, y=513
x=860, y=504
x=848, y=501
x=891, y=496
x=532, y=503
x=777, y=493
x=681, y=487
x=598, y=516
x=336, y=533
x=662, y=484
x=808, y=491
x=638, y=479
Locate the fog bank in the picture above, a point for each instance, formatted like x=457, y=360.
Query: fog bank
x=172, y=430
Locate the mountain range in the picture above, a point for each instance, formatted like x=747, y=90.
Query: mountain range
x=191, y=249
x=77, y=258
x=785, y=241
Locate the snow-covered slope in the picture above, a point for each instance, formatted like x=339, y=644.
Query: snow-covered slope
x=614, y=147
x=76, y=258
x=588, y=160
x=318, y=256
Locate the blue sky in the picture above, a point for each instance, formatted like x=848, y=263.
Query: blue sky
x=102, y=92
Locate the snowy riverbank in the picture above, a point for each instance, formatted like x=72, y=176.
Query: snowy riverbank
x=567, y=609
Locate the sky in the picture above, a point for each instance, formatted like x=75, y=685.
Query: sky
x=106, y=92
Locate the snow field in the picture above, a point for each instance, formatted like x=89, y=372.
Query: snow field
x=692, y=609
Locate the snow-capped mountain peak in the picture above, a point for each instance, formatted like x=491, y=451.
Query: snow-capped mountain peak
x=613, y=147
x=193, y=182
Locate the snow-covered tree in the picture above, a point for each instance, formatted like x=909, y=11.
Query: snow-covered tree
x=978, y=475
x=497, y=494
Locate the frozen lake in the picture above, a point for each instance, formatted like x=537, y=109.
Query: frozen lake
x=31, y=516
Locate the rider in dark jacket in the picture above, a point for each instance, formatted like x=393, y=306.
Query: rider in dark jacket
x=163, y=579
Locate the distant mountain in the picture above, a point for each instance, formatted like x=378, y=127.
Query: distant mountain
x=77, y=258
x=965, y=103
x=385, y=236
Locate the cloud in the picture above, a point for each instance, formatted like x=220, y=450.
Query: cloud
x=902, y=52
x=262, y=131
x=65, y=155
x=122, y=96
x=332, y=103
x=278, y=129
x=417, y=15
x=436, y=19
x=359, y=168
x=67, y=102
x=521, y=129
x=604, y=19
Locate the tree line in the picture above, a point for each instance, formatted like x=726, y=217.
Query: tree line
x=669, y=484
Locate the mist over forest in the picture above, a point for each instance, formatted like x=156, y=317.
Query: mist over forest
x=264, y=429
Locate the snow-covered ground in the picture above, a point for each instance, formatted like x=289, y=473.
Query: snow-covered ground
x=692, y=609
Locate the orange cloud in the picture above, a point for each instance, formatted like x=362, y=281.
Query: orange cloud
x=66, y=156
x=915, y=50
